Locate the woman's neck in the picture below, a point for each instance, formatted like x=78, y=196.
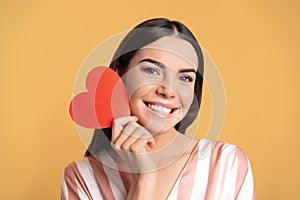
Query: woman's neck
x=172, y=143
x=162, y=139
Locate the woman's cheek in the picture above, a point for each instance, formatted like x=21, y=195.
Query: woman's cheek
x=186, y=98
x=135, y=81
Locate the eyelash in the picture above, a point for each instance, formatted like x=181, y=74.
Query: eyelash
x=186, y=78
x=153, y=71
x=150, y=70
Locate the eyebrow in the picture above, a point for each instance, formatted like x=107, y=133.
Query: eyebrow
x=161, y=65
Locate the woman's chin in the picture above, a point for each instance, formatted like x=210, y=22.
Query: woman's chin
x=159, y=126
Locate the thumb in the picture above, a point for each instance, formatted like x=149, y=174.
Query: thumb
x=151, y=143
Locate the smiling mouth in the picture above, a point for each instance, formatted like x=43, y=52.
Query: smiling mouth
x=160, y=109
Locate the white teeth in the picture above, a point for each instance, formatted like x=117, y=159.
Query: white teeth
x=160, y=109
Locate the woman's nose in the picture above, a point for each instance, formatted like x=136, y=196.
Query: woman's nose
x=165, y=91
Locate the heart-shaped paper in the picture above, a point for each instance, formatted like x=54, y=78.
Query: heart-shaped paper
x=106, y=98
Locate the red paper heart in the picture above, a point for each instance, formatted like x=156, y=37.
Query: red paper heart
x=106, y=98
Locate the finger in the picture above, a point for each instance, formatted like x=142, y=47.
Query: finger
x=130, y=128
x=125, y=134
x=143, y=144
x=118, y=125
x=121, y=121
x=150, y=140
x=136, y=135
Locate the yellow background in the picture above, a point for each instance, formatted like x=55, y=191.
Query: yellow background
x=255, y=44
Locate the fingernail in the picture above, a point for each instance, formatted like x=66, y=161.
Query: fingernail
x=152, y=143
x=134, y=118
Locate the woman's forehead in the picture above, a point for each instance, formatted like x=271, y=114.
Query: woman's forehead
x=176, y=46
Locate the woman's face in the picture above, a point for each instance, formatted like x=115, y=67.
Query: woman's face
x=160, y=82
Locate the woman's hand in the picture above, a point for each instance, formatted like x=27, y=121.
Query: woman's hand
x=132, y=143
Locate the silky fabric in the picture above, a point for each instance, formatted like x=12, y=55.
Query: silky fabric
x=214, y=171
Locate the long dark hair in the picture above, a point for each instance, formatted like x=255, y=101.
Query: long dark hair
x=140, y=36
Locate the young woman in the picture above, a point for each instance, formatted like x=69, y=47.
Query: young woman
x=147, y=155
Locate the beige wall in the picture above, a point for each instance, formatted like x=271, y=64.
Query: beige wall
x=42, y=45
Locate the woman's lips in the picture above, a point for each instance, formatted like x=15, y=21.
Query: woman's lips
x=161, y=109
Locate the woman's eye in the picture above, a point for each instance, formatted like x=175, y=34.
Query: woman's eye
x=186, y=78
x=151, y=71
